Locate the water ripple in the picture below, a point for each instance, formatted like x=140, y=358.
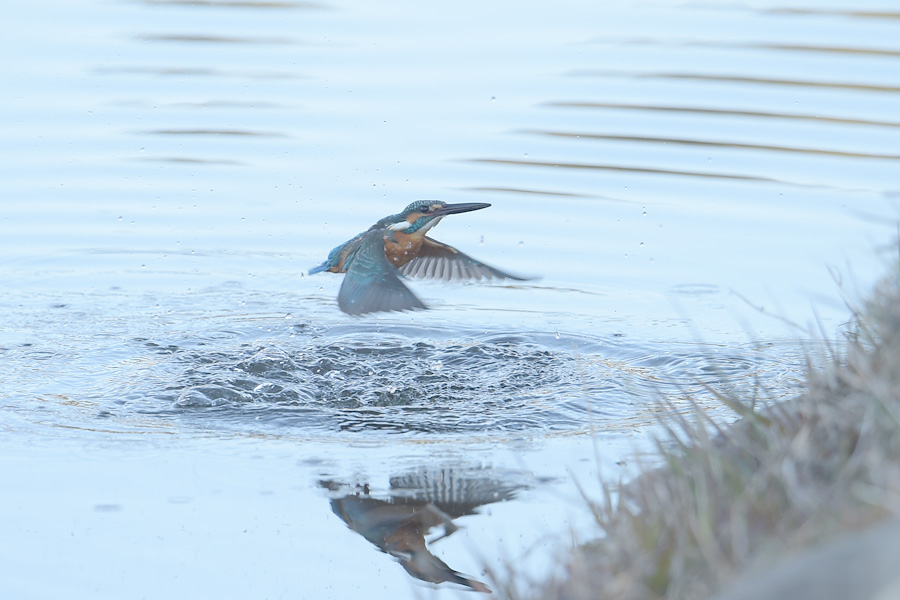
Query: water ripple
x=706, y=111
x=756, y=81
x=645, y=139
x=627, y=169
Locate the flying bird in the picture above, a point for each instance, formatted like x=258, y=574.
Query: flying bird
x=376, y=260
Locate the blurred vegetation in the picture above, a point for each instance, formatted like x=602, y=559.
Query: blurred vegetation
x=780, y=481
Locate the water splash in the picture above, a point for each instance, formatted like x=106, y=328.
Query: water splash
x=426, y=381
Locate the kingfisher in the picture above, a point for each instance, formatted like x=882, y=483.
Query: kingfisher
x=376, y=260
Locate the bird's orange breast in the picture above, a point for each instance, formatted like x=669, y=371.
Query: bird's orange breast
x=403, y=248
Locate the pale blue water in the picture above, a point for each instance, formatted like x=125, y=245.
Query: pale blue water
x=185, y=411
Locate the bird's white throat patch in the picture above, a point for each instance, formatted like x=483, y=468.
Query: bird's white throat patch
x=399, y=226
x=404, y=225
x=430, y=224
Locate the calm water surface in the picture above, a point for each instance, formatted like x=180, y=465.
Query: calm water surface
x=186, y=413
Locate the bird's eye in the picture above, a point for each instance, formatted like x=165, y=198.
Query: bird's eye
x=426, y=209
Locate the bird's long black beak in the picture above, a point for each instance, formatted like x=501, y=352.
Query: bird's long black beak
x=452, y=209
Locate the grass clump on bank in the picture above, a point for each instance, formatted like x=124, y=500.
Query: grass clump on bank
x=769, y=504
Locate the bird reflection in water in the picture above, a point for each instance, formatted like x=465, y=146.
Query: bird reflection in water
x=417, y=503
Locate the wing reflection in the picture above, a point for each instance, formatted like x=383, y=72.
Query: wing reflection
x=416, y=503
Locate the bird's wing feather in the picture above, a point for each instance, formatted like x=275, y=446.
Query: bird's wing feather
x=372, y=284
x=440, y=261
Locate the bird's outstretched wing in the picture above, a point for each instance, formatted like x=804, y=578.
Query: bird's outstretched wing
x=440, y=261
x=372, y=284
x=336, y=261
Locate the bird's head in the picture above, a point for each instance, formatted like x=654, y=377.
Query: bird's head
x=422, y=215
